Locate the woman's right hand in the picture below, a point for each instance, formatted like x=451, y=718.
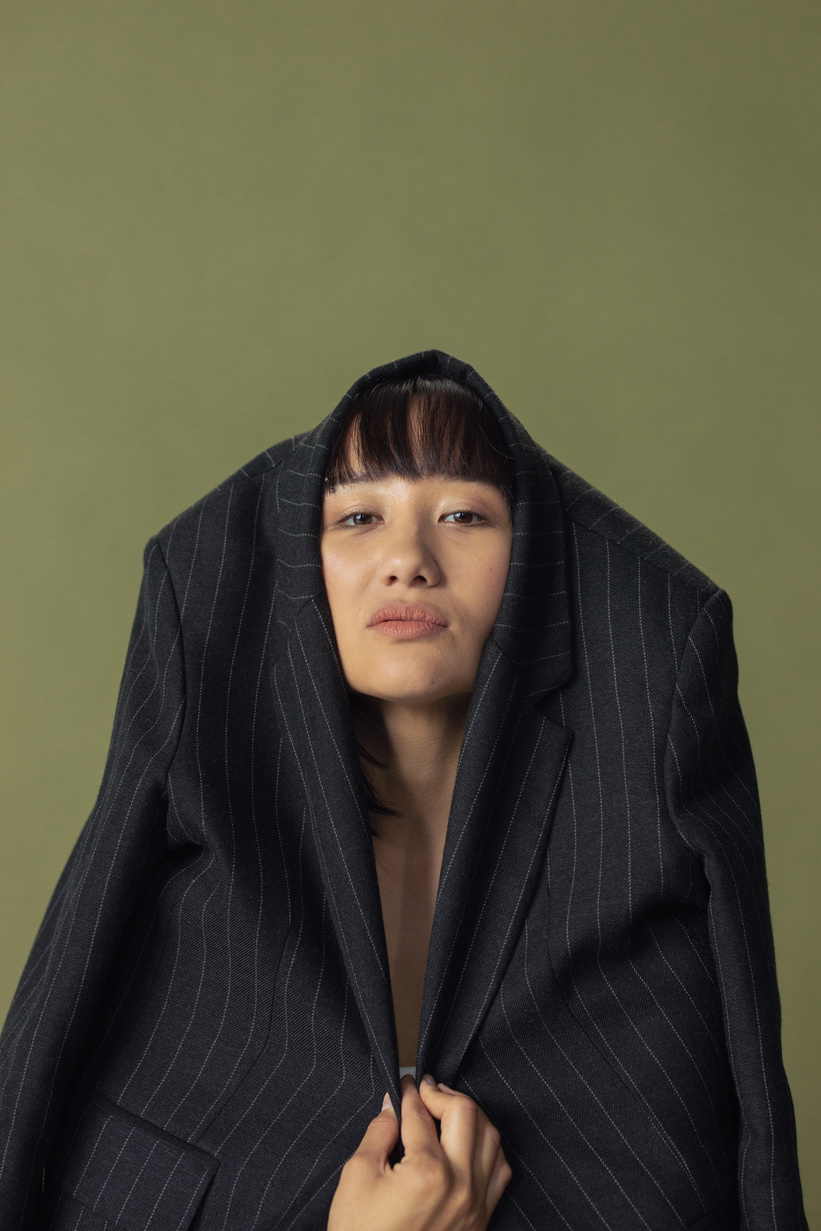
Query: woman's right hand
x=450, y=1182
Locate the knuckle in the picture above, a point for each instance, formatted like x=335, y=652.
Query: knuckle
x=470, y=1110
x=465, y=1098
x=462, y=1198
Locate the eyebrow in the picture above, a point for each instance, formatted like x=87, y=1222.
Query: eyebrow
x=378, y=478
x=357, y=478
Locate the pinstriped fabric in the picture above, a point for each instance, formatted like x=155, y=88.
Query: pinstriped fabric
x=95, y=887
x=205, y=1026
x=713, y=800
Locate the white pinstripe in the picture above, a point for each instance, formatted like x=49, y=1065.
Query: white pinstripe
x=526, y=1114
x=591, y=1148
x=95, y=1147
x=161, y=1193
x=513, y=1155
x=329, y=811
x=252, y=1149
x=218, y=1146
x=158, y=1022
x=113, y=1166
x=232, y=827
x=200, y=1128
x=556, y=1043
x=639, y=606
x=706, y=820
x=635, y=970
x=708, y=1032
x=722, y=981
x=136, y=1179
x=651, y=1111
x=467, y=896
x=526, y=880
x=77, y=997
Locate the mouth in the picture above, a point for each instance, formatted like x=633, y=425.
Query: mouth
x=405, y=622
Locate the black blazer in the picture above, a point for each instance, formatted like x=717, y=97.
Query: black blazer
x=204, y=1028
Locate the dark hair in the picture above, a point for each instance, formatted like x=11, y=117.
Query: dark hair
x=372, y=800
x=452, y=433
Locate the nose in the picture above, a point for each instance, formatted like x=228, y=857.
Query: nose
x=409, y=557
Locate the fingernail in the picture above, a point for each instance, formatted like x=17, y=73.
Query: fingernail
x=429, y=1079
x=386, y=1102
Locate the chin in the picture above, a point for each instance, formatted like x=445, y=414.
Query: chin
x=393, y=689
x=414, y=681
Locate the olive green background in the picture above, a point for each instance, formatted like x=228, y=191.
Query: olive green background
x=217, y=215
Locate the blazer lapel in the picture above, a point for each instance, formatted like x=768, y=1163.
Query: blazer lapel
x=314, y=717
x=510, y=768
x=503, y=800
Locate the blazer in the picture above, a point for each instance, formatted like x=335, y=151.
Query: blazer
x=204, y=1028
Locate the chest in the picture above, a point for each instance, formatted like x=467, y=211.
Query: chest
x=408, y=882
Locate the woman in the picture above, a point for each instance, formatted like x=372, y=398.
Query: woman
x=515, y=845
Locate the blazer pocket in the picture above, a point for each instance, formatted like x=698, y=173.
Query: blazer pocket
x=130, y=1172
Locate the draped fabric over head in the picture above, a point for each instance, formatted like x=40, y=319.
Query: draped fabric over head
x=511, y=759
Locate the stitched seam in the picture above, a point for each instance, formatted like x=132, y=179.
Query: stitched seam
x=181, y=652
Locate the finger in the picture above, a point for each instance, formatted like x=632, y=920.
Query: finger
x=499, y=1180
x=461, y=1122
x=380, y=1137
x=418, y=1127
x=488, y=1151
x=488, y=1168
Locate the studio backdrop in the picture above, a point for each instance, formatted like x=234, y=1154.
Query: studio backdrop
x=217, y=215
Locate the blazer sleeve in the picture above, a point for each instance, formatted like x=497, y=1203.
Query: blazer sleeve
x=712, y=797
x=72, y=953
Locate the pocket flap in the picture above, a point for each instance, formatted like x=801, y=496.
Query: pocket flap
x=132, y=1172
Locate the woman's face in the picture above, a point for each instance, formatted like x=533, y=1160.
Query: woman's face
x=433, y=549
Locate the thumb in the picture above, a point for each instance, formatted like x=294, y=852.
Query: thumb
x=381, y=1134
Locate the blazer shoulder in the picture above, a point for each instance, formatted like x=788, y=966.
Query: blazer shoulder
x=587, y=507
x=240, y=486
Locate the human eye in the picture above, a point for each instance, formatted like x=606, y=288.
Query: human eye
x=465, y=513
x=350, y=518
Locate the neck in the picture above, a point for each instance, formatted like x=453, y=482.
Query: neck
x=419, y=745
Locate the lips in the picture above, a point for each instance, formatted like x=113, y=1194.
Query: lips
x=402, y=612
x=405, y=621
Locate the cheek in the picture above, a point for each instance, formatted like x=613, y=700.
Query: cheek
x=500, y=566
x=495, y=573
x=482, y=585
x=334, y=572
x=343, y=588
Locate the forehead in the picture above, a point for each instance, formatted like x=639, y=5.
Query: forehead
x=424, y=483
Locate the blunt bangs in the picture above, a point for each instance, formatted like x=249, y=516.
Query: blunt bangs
x=419, y=427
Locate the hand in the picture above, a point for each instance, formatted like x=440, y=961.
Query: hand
x=451, y=1182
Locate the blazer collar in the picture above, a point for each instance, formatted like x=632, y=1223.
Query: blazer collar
x=510, y=763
